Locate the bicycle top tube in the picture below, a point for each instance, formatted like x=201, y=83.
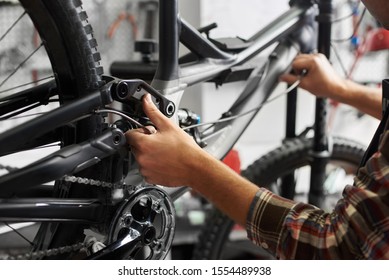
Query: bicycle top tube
x=212, y=60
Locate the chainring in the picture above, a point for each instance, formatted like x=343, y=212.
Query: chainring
x=150, y=213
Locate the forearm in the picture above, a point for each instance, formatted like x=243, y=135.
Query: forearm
x=226, y=189
x=366, y=99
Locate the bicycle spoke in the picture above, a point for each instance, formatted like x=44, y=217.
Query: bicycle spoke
x=340, y=40
x=26, y=84
x=12, y=26
x=18, y=233
x=20, y=65
x=11, y=116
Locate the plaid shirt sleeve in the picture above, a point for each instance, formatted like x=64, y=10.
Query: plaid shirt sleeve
x=358, y=227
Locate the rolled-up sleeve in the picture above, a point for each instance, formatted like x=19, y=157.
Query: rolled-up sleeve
x=267, y=218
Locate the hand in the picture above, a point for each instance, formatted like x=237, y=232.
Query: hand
x=321, y=78
x=170, y=157
x=165, y=157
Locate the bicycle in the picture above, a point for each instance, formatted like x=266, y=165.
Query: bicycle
x=99, y=207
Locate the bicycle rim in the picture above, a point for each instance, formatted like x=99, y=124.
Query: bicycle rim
x=221, y=238
x=62, y=49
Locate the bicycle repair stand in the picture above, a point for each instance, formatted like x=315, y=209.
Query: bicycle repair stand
x=321, y=147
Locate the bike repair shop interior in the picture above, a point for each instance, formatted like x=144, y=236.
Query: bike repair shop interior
x=118, y=24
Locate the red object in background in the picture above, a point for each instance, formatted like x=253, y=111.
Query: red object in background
x=232, y=160
x=376, y=40
x=123, y=16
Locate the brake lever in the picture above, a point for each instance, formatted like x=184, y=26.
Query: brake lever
x=128, y=91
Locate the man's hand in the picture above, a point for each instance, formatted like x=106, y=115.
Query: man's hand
x=166, y=156
x=320, y=79
x=170, y=157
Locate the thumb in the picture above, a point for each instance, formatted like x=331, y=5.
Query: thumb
x=153, y=113
x=288, y=78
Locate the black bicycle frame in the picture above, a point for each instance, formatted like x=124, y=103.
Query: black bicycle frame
x=289, y=29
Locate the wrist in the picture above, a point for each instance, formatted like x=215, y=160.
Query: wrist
x=365, y=99
x=199, y=168
x=342, y=91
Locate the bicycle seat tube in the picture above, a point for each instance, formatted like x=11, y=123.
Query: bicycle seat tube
x=168, y=41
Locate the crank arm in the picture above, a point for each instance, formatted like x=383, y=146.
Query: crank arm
x=68, y=160
x=120, y=249
x=130, y=91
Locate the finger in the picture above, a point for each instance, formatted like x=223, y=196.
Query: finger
x=149, y=129
x=308, y=61
x=134, y=136
x=289, y=78
x=302, y=63
x=154, y=114
x=305, y=56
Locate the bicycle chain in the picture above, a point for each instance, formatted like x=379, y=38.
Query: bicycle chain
x=80, y=180
x=97, y=183
x=69, y=248
x=49, y=252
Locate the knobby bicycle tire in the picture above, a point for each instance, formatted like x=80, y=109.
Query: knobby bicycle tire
x=216, y=239
x=71, y=48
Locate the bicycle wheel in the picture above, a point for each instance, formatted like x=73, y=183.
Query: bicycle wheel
x=221, y=238
x=64, y=52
